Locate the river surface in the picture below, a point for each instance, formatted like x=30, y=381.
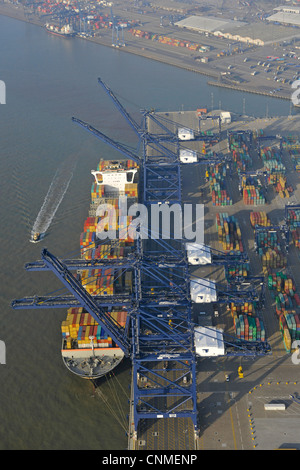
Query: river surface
x=49, y=80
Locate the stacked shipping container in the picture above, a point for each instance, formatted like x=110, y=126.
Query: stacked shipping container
x=237, y=145
x=259, y=218
x=292, y=144
x=79, y=326
x=287, y=305
x=273, y=165
x=216, y=178
x=229, y=232
x=270, y=251
x=248, y=326
x=170, y=41
x=238, y=270
x=293, y=220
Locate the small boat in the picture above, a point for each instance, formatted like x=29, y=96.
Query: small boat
x=36, y=237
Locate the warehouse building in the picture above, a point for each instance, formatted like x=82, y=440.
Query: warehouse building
x=285, y=18
x=208, y=24
x=229, y=29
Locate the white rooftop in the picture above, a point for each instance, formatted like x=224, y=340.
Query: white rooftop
x=208, y=24
x=209, y=341
x=203, y=290
x=286, y=18
x=198, y=253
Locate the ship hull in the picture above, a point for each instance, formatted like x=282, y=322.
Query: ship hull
x=40, y=237
x=89, y=364
x=62, y=35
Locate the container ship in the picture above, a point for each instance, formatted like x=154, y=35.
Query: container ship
x=65, y=31
x=87, y=349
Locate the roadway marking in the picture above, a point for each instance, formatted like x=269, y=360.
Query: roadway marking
x=233, y=433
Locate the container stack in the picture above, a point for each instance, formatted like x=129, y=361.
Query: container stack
x=273, y=167
x=280, y=185
x=253, y=196
x=220, y=197
x=257, y=133
x=240, y=152
x=292, y=144
x=216, y=179
x=252, y=191
x=100, y=340
x=273, y=259
x=284, y=287
x=269, y=250
x=293, y=221
x=238, y=270
x=248, y=326
x=229, y=232
x=97, y=281
x=286, y=336
x=248, y=308
x=131, y=190
x=295, y=156
x=119, y=317
x=259, y=218
x=287, y=305
x=296, y=237
x=97, y=191
x=79, y=326
x=168, y=40
x=267, y=239
x=108, y=252
x=87, y=243
x=289, y=325
x=269, y=154
x=272, y=162
x=293, y=218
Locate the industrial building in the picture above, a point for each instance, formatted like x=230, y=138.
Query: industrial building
x=285, y=18
x=208, y=24
x=229, y=29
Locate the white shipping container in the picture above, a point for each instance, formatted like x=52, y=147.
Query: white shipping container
x=274, y=406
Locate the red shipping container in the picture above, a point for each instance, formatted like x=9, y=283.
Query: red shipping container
x=297, y=299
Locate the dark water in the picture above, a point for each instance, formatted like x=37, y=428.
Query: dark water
x=49, y=80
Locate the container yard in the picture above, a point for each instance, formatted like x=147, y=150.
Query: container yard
x=259, y=232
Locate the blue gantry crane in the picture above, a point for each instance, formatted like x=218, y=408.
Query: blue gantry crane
x=159, y=335
x=116, y=40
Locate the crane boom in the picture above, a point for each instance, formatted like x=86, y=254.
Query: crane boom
x=137, y=129
x=86, y=300
x=121, y=148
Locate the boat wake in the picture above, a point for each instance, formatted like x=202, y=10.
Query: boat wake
x=55, y=195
